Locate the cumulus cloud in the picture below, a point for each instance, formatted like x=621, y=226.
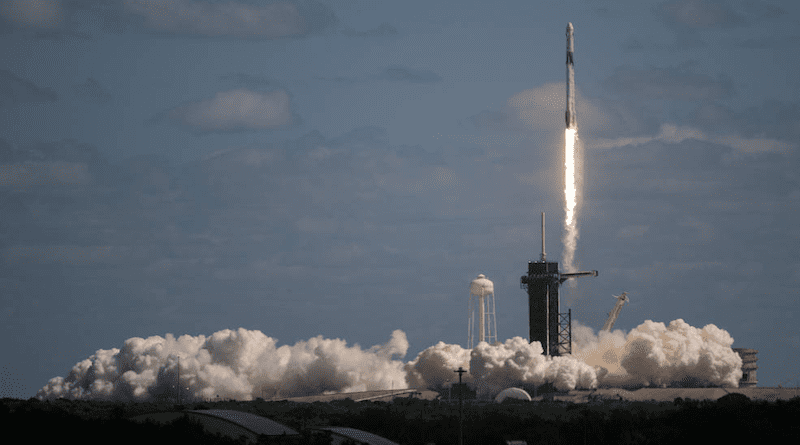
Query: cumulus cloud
x=220, y=19
x=385, y=29
x=15, y=90
x=673, y=134
x=67, y=255
x=43, y=173
x=241, y=364
x=48, y=163
x=668, y=84
x=404, y=74
x=33, y=13
x=542, y=108
x=236, y=109
x=714, y=14
x=634, y=231
x=92, y=91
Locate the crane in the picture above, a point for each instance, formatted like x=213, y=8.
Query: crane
x=612, y=316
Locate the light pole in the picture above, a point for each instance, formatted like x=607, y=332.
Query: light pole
x=460, y=371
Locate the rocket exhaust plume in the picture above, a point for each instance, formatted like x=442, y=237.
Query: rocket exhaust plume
x=243, y=364
x=570, y=141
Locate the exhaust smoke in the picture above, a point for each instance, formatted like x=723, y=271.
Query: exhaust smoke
x=245, y=364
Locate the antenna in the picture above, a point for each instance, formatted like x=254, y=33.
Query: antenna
x=544, y=255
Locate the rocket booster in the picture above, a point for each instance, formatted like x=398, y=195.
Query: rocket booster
x=570, y=116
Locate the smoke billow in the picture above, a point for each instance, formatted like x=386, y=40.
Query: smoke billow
x=495, y=367
x=245, y=364
x=434, y=367
x=241, y=364
x=651, y=354
x=675, y=355
x=517, y=362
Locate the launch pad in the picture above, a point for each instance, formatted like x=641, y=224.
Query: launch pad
x=546, y=324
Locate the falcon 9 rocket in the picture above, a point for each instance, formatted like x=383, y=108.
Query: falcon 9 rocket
x=570, y=114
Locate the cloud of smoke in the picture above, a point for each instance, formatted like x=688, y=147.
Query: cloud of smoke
x=241, y=364
x=517, y=362
x=651, y=354
x=245, y=364
x=433, y=367
x=675, y=355
x=498, y=366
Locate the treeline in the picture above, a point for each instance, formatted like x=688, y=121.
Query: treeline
x=413, y=421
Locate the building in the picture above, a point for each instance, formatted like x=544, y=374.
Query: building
x=229, y=423
x=340, y=434
x=749, y=367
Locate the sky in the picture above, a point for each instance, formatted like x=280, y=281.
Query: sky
x=346, y=168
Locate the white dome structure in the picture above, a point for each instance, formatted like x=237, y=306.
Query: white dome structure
x=512, y=393
x=481, y=300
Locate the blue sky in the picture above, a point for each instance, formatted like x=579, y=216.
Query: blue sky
x=345, y=168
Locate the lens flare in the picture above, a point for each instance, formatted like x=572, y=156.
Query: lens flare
x=570, y=199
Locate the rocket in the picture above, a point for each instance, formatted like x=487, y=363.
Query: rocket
x=570, y=116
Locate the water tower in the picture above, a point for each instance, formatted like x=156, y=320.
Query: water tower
x=481, y=304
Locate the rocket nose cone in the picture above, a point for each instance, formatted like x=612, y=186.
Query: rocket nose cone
x=569, y=26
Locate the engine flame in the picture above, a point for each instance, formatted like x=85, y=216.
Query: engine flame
x=570, y=199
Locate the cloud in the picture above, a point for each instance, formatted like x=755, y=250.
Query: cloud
x=15, y=90
x=62, y=19
x=385, y=29
x=698, y=14
x=779, y=119
x=248, y=80
x=92, y=91
x=636, y=231
x=672, y=134
x=43, y=173
x=494, y=120
x=397, y=73
x=771, y=42
x=33, y=13
x=235, y=110
x=542, y=108
x=668, y=84
x=48, y=163
x=67, y=255
x=236, y=19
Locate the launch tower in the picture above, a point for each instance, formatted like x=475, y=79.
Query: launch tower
x=547, y=325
